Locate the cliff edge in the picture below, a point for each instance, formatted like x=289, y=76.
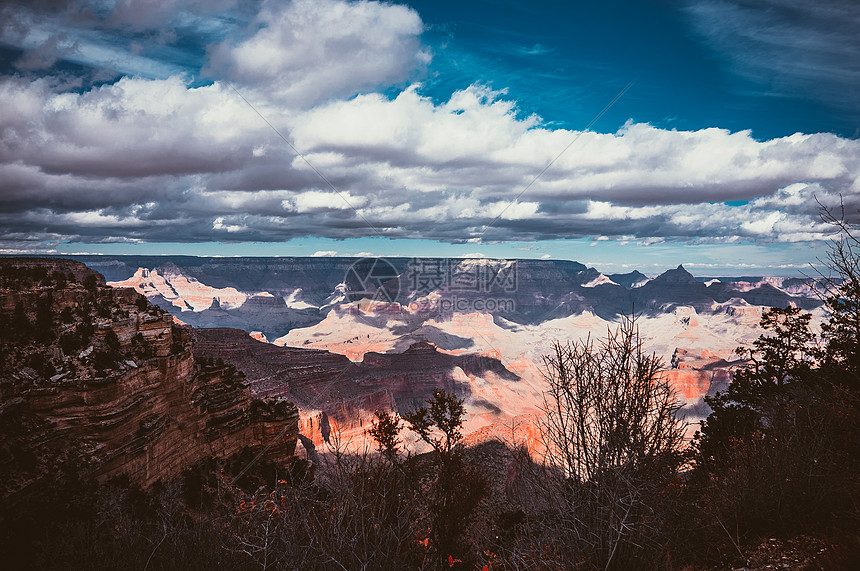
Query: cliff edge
x=98, y=382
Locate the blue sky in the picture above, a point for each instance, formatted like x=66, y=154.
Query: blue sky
x=426, y=128
x=565, y=60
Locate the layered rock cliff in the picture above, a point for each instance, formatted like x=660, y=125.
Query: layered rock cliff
x=334, y=392
x=97, y=381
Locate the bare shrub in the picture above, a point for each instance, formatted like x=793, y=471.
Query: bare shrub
x=614, y=445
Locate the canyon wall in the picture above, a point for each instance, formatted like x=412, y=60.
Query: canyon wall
x=97, y=381
x=207, y=292
x=335, y=394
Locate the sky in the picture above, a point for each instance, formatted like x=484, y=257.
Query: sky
x=627, y=134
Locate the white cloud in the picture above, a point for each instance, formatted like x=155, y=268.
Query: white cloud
x=472, y=125
x=160, y=160
x=324, y=254
x=218, y=224
x=135, y=127
x=318, y=200
x=312, y=50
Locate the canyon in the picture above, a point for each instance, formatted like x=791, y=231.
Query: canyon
x=508, y=310
x=289, y=335
x=339, y=396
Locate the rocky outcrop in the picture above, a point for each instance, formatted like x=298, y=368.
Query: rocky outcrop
x=413, y=375
x=200, y=305
x=695, y=374
x=185, y=293
x=97, y=381
x=630, y=280
x=322, y=384
x=333, y=392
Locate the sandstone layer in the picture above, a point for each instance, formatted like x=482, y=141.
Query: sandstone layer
x=97, y=382
x=337, y=395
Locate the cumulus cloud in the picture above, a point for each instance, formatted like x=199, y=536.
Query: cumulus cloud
x=312, y=50
x=131, y=128
x=160, y=159
x=315, y=200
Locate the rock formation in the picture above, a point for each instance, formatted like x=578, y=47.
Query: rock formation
x=333, y=392
x=276, y=295
x=97, y=381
